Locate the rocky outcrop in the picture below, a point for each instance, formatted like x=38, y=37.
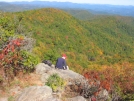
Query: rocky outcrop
x=45, y=71
x=45, y=93
x=35, y=93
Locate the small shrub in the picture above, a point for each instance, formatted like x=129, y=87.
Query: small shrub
x=55, y=82
x=29, y=61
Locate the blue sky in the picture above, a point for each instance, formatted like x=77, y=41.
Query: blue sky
x=113, y=2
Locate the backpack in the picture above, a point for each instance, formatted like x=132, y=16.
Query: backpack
x=48, y=62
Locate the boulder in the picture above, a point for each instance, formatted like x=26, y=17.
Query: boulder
x=35, y=93
x=42, y=68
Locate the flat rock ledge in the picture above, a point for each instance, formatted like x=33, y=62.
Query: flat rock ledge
x=35, y=93
x=45, y=71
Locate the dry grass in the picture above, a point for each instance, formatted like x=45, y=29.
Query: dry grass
x=21, y=82
x=30, y=80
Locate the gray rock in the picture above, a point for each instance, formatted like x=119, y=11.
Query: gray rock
x=52, y=99
x=4, y=99
x=44, y=77
x=53, y=66
x=35, y=93
x=77, y=98
x=46, y=71
x=42, y=68
x=69, y=74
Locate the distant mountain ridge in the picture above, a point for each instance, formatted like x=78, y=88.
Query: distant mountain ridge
x=94, y=8
x=9, y=7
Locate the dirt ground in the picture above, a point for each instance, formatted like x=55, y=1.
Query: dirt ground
x=16, y=86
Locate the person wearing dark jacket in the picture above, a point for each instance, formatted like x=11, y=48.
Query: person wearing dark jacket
x=61, y=62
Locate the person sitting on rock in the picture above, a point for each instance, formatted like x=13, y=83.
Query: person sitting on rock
x=61, y=63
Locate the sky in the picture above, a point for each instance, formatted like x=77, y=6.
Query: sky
x=112, y=2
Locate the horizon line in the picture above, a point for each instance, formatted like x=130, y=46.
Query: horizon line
x=69, y=2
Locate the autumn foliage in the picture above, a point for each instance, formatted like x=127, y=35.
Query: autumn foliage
x=118, y=81
x=10, y=47
x=10, y=59
x=13, y=57
x=97, y=79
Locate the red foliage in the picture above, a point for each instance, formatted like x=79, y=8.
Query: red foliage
x=10, y=47
x=86, y=75
x=106, y=85
x=9, y=58
x=95, y=80
x=108, y=79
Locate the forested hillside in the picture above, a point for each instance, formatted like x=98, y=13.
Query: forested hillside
x=83, y=14
x=94, y=44
x=106, y=40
